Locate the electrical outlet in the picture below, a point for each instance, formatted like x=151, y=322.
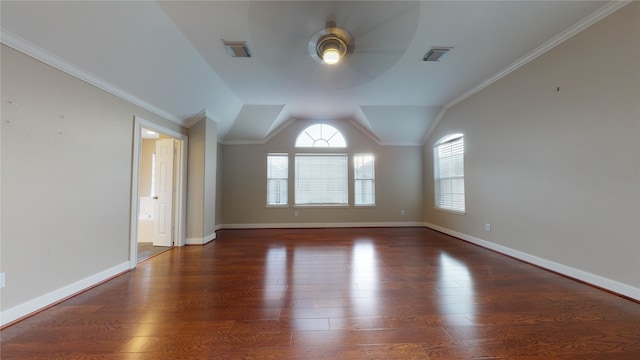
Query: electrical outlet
x=295, y=213
x=402, y=212
x=1, y=280
x=487, y=227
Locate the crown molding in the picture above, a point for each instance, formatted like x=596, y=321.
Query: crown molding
x=195, y=118
x=46, y=57
x=436, y=121
x=364, y=130
x=578, y=27
x=270, y=136
x=401, y=144
x=279, y=129
x=242, y=142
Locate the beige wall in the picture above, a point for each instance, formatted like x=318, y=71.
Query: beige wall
x=146, y=161
x=218, y=222
x=66, y=178
x=557, y=173
x=398, y=183
x=211, y=164
x=201, y=197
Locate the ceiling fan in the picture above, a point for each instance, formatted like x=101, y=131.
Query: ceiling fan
x=360, y=39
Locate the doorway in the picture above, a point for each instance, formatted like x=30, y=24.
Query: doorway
x=158, y=190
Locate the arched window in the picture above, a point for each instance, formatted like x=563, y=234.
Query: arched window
x=448, y=154
x=321, y=177
x=321, y=135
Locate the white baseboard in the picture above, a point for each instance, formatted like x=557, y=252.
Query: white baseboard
x=320, y=225
x=200, y=240
x=599, y=281
x=41, y=302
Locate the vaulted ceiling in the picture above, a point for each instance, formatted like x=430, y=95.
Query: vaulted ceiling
x=169, y=56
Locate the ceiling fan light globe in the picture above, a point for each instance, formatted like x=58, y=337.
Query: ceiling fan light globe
x=331, y=56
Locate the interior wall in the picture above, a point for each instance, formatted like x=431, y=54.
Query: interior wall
x=147, y=150
x=219, y=193
x=211, y=163
x=398, y=182
x=66, y=179
x=552, y=155
x=201, y=197
x=195, y=181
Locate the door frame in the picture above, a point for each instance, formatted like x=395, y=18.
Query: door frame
x=180, y=185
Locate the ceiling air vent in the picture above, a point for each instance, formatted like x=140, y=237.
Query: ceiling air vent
x=237, y=48
x=436, y=54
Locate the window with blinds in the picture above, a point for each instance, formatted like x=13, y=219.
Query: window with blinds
x=321, y=179
x=277, y=179
x=321, y=175
x=364, y=180
x=449, y=173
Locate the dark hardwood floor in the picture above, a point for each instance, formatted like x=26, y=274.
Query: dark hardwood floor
x=379, y=293
x=146, y=250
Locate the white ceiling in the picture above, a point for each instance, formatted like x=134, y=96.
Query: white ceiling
x=168, y=56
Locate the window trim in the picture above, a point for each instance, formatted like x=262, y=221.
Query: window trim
x=436, y=176
x=328, y=140
x=328, y=187
x=285, y=155
x=372, y=179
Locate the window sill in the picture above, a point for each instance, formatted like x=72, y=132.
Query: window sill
x=277, y=206
x=321, y=206
x=451, y=211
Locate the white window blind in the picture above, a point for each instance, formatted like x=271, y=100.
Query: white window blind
x=321, y=179
x=449, y=173
x=277, y=179
x=364, y=179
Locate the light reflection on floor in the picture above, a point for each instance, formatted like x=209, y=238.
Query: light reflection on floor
x=320, y=282
x=364, y=277
x=455, y=285
x=290, y=275
x=275, y=269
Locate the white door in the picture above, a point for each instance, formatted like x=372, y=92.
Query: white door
x=163, y=198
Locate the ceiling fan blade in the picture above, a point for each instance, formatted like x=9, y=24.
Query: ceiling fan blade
x=389, y=17
x=280, y=33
